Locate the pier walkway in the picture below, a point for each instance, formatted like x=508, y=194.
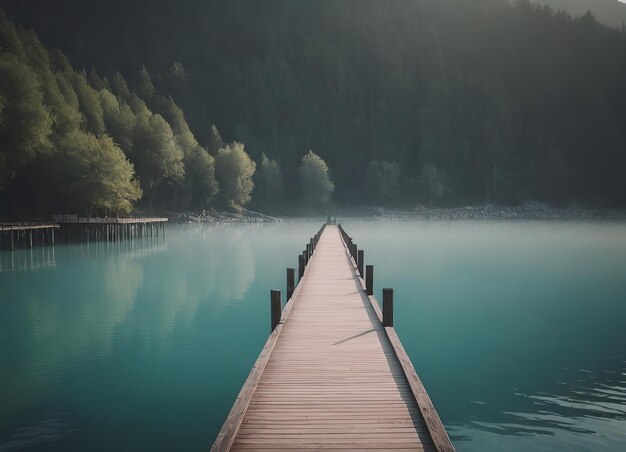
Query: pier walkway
x=331, y=376
x=26, y=234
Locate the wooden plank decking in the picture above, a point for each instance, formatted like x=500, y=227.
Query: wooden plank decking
x=330, y=376
x=10, y=227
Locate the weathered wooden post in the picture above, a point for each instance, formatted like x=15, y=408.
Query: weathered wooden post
x=311, y=246
x=328, y=219
x=387, y=307
x=355, y=250
x=276, y=307
x=291, y=282
x=369, y=279
x=359, y=262
x=30, y=238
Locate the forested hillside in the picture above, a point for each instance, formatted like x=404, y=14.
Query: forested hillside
x=406, y=102
x=609, y=12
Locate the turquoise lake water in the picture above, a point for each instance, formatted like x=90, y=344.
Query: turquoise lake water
x=516, y=329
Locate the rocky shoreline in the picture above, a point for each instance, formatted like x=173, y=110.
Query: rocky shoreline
x=526, y=211
x=215, y=216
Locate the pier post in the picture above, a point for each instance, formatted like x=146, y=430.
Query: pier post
x=300, y=266
x=30, y=238
x=276, y=308
x=306, y=257
x=387, y=307
x=355, y=250
x=369, y=279
x=291, y=282
x=312, y=246
x=359, y=262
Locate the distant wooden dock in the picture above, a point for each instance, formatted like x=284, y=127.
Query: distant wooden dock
x=109, y=229
x=26, y=234
x=333, y=373
x=71, y=228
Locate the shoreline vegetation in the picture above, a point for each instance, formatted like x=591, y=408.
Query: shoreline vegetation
x=386, y=114
x=530, y=210
x=98, y=146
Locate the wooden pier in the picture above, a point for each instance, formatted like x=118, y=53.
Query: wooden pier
x=26, y=234
x=109, y=229
x=71, y=228
x=333, y=373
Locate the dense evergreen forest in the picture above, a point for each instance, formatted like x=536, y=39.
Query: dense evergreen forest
x=609, y=12
x=195, y=104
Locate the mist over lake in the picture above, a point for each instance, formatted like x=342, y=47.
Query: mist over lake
x=515, y=329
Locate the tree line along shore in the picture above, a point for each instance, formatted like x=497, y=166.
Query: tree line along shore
x=434, y=103
x=73, y=141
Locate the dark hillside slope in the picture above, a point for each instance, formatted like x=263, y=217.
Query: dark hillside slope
x=475, y=100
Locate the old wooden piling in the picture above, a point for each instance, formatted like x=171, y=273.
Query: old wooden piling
x=388, y=307
x=26, y=234
x=359, y=262
x=291, y=282
x=369, y=279
x=300, y=266
x=276, y=308
x=77, y=229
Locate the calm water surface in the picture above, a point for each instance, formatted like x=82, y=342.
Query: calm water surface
x=517, y=330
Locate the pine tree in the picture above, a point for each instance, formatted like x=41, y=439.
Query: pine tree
x=25, y=123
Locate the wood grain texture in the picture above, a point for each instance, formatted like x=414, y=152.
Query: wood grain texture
x=329, y=376
x=435, y=427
